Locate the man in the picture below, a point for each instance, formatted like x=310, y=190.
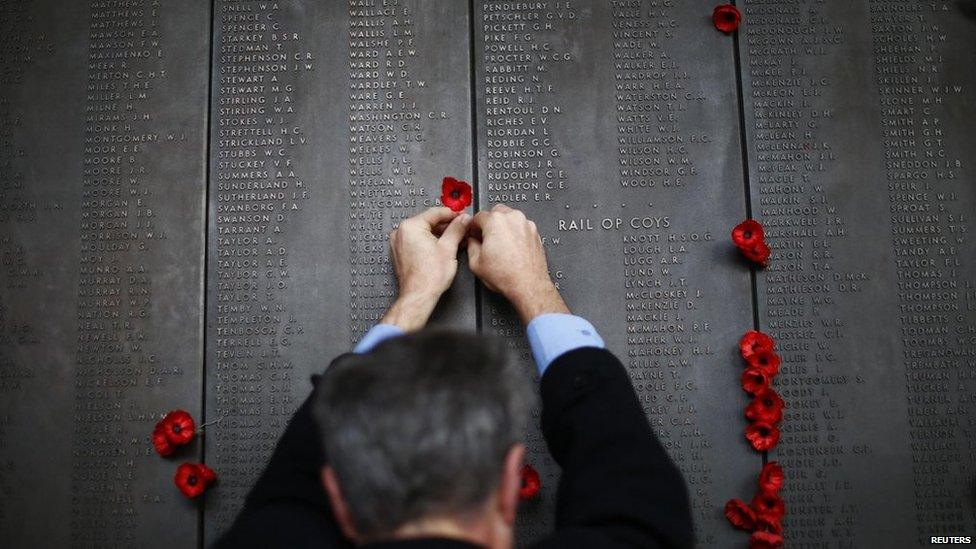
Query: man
x=413, y=441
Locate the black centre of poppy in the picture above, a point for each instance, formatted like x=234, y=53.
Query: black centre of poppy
x=455, y=194
x=191, y=480
x=177, y=428
x=747, y=234
x=768, y=402
x=729, y=16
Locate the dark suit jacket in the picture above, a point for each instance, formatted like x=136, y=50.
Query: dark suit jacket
x=618, y=487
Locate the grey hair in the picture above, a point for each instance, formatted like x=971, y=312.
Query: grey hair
x=420, y=426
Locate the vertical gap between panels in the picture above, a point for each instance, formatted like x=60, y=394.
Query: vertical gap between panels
x=475, y=184
x=206, y=262
x=744, y=151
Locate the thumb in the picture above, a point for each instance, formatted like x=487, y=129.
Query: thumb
x=455, y=231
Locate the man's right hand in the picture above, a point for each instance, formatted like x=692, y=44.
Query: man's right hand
x=506, y=253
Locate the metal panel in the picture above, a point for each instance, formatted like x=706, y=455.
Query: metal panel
x=856, y=136
x=331, y=124
x=615, y=129
x=614, y=125
x=102, y=164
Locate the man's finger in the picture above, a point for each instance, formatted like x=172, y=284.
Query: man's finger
x=479, y=220
x=433, y=216
x=455, y=232
x=438, y=230
x=501, y=208
x=474, y=253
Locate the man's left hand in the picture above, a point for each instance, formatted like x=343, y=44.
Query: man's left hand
x=424, y=253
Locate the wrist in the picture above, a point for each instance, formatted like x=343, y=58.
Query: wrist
x=410, y=311
x=538, y=300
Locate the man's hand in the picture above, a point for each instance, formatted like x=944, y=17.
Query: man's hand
x=424, y=252
x=505, y=252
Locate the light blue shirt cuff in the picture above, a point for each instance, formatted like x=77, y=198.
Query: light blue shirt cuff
x=375, y=335
x=554, y=334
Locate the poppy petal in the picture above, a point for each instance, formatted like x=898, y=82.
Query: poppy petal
x=530, y=483
x=740, y=515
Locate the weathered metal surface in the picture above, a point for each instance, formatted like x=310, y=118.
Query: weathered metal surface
x=331, y=123
x=858, y=127
x=102, y=167
x=615, y=125
x=615, y=129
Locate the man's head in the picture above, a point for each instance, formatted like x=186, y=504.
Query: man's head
x=424, y=431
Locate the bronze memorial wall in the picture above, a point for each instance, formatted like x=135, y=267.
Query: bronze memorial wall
x=104, y=109
x=195, y=198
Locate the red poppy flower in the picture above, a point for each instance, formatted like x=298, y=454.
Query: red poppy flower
x=530, y=483
x=754, y=380
x=767, y=407
x=740, y=515
x=762, y=435
x=178, y=426
x=765, y=540
x=160, y=442
x=767, y=361
x=726, y=18
x=193, y=478
x=455, y=194
x=770, y=505
x=771, y=478
x=768, y=524
x=749, y=233
x=758, y=253
x=208, y=474
x=754, y=341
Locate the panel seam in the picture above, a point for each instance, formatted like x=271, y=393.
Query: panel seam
x=744, y=151
x=201, y=517
x=476, y=187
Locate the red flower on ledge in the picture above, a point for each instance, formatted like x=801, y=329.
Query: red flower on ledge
x=749, y=237
x=758, y=253
x=767, y=407
x=161, y=442
x=175, y=429
x=754, y=341
x=765, y=540
x=530, y=483
x=763, y=436
x=768, y=505
x=747, y=234
x=767, y=524
x=767, y=361
x=193, y=478
x=740, y=515
x=455, y=194
x=754, y=381
x=771, y=477
x=726, y=18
